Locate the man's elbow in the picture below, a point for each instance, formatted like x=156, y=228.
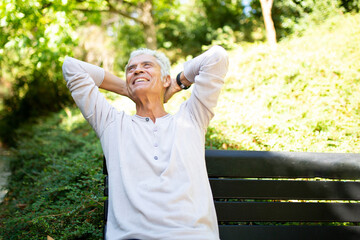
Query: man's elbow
x=219, y=60
x=69, y=68
x=65, y=66
x=220, y=51
x=219, y=54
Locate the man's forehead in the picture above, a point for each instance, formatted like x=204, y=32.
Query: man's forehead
x=142, y=58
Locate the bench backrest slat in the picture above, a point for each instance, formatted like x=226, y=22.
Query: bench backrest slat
x=287, y=212
x=285, y=189
x=256, y=164
x=290, y=232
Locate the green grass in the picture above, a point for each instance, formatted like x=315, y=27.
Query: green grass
x=302, y=97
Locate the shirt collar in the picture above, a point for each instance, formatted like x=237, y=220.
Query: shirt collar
x=147, y=119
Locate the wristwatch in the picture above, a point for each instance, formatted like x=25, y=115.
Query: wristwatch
x=182, y=86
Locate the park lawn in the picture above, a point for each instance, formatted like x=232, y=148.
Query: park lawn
x=302, y=97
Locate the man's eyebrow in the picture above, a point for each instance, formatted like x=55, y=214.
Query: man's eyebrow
x=132, y=65
x=146, y=62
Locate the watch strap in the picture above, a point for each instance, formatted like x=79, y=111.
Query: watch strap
x=182, y=86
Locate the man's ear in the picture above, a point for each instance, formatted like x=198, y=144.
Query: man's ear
x=167, y=81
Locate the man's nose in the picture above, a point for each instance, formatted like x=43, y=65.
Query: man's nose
x=138, y=70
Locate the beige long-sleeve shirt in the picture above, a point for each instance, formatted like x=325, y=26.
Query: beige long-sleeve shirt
x=158, y=183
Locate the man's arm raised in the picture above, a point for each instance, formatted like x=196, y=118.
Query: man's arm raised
x=207, y=71
x=83, y=80
x=114, y=84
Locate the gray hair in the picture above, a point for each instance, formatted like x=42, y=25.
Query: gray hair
x=161, y=59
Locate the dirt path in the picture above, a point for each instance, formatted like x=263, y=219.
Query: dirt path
x=4, y=171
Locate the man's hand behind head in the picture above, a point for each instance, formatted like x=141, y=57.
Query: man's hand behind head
x=171, y=90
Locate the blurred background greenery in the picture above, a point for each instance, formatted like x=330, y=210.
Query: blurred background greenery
x=37, y=34
x=299, y=94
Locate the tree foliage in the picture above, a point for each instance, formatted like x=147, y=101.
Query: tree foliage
x=350, y=5
x=36, y=35
x=143, y=12
x=224, y=12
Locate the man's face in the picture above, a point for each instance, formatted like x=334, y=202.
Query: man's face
x=143, y=76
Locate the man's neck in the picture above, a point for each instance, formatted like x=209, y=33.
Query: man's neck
x=152, y=109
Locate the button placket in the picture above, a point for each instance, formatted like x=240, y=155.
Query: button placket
x=156, y=142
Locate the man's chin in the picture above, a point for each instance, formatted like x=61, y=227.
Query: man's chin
x=140, y=90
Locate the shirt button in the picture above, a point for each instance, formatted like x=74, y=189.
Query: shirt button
x=156, y=145
x=156, y=158
x=147, y=119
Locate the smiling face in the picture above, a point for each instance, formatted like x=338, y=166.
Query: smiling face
x=143, y=76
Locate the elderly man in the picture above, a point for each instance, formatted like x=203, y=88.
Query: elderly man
x=158, y=184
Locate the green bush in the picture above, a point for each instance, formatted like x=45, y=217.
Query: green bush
x=56, y=186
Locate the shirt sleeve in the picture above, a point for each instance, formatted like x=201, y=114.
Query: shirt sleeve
x=207, y=71
x=83, y=80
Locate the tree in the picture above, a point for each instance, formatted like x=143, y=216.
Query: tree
x=222, y=15
x=142, y=12
x=35, y=36
x=295, y=16
x=266, y=7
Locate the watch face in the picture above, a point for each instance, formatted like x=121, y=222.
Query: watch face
x=182, y=86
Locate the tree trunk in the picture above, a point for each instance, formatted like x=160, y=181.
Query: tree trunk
x=147, y=20
x=266, y=6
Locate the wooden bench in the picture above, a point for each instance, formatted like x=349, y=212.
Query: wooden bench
x=285, y=195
